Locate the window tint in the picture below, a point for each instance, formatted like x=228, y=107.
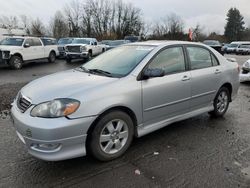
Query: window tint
x=215, y=61
x=36, y=42
x=29, y=41
x=171, y=60
x=199, y=57
x=47, y=42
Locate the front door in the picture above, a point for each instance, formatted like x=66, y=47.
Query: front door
x=167, y=96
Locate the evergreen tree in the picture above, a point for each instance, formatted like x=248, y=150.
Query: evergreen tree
x=235, y=25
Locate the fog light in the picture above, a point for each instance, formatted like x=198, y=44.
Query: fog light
x=46, y=147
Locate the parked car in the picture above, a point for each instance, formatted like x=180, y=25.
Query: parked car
x=133, y=38
x=61, y=45
x=234, y=45
x=224, y=47
x=15, y=51
x=243, y=49
x=123, y=93
x=110, y=44
x=83, y=48
x=245, y=72
x=215, y=44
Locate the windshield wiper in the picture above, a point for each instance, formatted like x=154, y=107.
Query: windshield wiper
x=83, y=69
x=99, y=71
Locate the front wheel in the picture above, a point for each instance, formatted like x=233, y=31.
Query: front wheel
x=111, y=136
x=221, y=102
x=16, y=62
x=52, y=57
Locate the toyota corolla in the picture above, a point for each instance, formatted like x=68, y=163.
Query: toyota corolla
x=130, y=91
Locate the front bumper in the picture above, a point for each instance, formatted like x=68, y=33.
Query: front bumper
x=244, y=77
x=52, y=139
x=72, y=55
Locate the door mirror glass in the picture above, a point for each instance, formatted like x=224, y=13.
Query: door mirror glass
x=152, y=73
x=95, y=43
x=26, y=45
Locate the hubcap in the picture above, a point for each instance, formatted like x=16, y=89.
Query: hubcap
x=17, y=63
x=222, y=102
x=114, y=136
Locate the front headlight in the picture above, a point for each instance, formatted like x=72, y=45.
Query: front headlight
x=6, y=54
x=56, y=108
x=246, y=65
x=83, y=48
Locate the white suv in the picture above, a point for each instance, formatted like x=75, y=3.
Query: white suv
x=14, y=51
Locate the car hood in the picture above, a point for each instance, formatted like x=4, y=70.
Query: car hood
x=8, y=48
x=67, y=84
x=76, y=45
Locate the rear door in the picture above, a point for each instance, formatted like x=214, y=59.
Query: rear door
x=168, y=96
x=28, y=52
x=205, y=76
x=39, y=52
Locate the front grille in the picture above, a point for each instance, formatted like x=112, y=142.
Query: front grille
x=74, y=49
x=61, y=49
x=23, y=103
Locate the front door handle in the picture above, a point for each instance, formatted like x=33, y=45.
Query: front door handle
x=217, y=71
x=185, y=78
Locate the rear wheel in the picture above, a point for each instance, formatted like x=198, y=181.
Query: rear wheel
x=111, y=136
x=52, y=57
x=221, y=102
x=16, y=62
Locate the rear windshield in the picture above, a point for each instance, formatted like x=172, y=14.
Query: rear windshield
x=12, y=41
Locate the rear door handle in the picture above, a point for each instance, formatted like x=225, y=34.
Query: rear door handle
x=217, y=71
x=185, y=78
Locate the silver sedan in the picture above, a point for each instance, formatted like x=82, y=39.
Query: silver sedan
x=124, y=93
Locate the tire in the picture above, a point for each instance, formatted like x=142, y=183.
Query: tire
x=116, y=130
x=221, y=102
x=16, y=62
x=52, y=57
x=68, y=60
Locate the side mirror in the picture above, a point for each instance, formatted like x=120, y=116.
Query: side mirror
x=152, y=73
x=26, y=45
x=95, y=43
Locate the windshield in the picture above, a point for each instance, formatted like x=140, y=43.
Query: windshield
x=120, y=61
x=12, y=42
x=211, y=42
x=65, y=41
x=233, y=45
x=80, y=41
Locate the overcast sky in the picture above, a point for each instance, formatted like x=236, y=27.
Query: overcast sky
x=210, y=14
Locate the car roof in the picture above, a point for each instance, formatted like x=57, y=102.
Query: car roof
x=165, y=43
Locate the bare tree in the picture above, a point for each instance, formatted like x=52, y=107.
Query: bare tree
x=58, y=26
x=73, y=16
x=37, y=28
x=25, y=22
x=9, y=22
x=175, y=25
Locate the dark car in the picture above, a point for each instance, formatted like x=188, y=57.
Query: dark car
x=215, y=44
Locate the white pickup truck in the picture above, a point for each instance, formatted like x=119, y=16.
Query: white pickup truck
x=83, y=48
x=15, y=51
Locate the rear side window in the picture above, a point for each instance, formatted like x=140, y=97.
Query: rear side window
x=214, y=60
x=199, y=57
x=48, y=42
x=171, y=60
x=36, y=42
x=29, y=41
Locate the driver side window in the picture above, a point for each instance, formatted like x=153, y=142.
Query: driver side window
x=171, y=60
